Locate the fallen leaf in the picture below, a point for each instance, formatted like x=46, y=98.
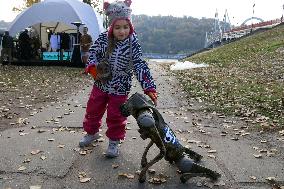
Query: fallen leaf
x=262, y=151
x=270, y=154
x=270, y=178
x=235, y=138
x=257, y=155
x=61, y=129
x=274, y=150
x=50, y=139
x=212, y=151
x=255, y=148
x=35, y=187
x=82, y=174
x=83, y=152
x=244, y=134
x=115, y=166
x=41, y=131
x=85, y=179
x=219, y=183
x=23, y=134
x=193, y=141
x=43, y=157
x=22, y=168
x=138, y=172
x=157, y=180
x=34, y=152
x=28, y=160
x=253, y=177
x=211, y=156
x=281, y=139
x=61, y=146
x=125, y=175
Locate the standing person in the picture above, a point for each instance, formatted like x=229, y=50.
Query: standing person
x=1, y=36
x=25, y=45
x=119, y=46
x=7, y=47
x=85, y=44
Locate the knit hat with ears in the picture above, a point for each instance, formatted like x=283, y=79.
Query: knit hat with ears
x=116, y=11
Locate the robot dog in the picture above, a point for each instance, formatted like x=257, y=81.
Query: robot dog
x=152, y=125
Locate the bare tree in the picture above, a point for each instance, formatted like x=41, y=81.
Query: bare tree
x=26, y=3
x=96, y=4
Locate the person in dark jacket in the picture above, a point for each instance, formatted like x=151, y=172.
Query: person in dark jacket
x=7, y=47
x=25, y=46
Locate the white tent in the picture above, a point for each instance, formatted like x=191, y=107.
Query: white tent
x=58, y=15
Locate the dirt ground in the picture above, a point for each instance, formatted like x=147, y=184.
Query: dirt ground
x=228, y=144
x=26, y=90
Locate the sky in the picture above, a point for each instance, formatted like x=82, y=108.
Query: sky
x=238, y=10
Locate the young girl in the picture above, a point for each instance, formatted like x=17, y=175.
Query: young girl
x=120, y=47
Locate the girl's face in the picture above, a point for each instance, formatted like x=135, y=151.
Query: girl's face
x=121, y=30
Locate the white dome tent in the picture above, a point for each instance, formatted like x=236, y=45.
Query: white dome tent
x=49, y=12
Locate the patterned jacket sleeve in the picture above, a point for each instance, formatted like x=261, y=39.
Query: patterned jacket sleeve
x=141, y=68
x=96, y=51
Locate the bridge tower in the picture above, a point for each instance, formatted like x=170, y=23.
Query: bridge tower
x=215, y=36
x=226, y=25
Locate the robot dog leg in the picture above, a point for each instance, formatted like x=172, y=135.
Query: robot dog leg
x=152, y=125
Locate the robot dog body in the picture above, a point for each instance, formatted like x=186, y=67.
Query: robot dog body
x=152, y=125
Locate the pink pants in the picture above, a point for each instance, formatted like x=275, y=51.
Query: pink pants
x=98, y=103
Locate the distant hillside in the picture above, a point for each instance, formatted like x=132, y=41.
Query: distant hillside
x=245, y=78
x=172, y=35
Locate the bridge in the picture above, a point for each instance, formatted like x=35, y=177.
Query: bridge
x=223, y=33
x=242, y=30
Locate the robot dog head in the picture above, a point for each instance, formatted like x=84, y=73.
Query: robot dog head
x=135, y=104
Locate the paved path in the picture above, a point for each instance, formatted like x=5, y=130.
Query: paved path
x=45, y=154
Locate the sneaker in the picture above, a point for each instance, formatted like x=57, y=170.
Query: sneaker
x=88, y=139
x=112, y=150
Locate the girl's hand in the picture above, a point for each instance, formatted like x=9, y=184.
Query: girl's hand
x=153, y=96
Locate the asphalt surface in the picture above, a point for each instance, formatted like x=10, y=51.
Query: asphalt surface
x=45, y=154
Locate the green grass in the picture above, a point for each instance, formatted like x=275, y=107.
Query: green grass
x=245, y=78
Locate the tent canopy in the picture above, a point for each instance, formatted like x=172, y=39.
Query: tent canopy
x=59, y=11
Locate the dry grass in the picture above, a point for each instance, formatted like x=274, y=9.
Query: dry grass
x=245, y=78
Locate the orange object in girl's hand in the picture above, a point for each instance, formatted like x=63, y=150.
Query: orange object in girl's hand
x=93, y=71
